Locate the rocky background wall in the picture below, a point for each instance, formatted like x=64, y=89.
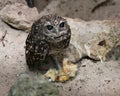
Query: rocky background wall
x=84, y=9
x=95, y=26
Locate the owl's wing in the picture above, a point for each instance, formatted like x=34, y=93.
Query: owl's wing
x=36, y=52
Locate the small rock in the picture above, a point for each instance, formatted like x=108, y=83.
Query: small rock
x=19, y=15
x=33, y=86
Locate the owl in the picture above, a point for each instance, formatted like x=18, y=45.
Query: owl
x=49, y=36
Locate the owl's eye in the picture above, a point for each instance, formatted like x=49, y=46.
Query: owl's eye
x=49, y=27
x=62, y=24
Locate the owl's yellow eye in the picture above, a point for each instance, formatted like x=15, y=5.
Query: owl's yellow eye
x=62, y=24
x=49, y=27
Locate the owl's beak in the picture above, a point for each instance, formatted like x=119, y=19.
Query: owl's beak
x=57, y=32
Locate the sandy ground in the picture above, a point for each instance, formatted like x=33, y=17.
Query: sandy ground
x=93, y=79
x=12, y=60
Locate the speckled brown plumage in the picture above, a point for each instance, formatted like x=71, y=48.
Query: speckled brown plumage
x=49, y=35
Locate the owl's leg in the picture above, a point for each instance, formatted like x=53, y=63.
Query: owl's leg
x=57, y=63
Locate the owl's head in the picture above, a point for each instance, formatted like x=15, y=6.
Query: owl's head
x=54, y=27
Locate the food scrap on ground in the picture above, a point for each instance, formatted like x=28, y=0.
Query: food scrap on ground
x=68, y=71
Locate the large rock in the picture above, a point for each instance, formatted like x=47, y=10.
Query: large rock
x=95, y=39
x=80, y=9
x=84, y=9
x=3, y=3
x=19, y=15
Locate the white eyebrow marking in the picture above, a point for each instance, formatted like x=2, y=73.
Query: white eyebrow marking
x=47, y=23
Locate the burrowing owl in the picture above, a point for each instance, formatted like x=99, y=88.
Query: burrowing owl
x=49, y=35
